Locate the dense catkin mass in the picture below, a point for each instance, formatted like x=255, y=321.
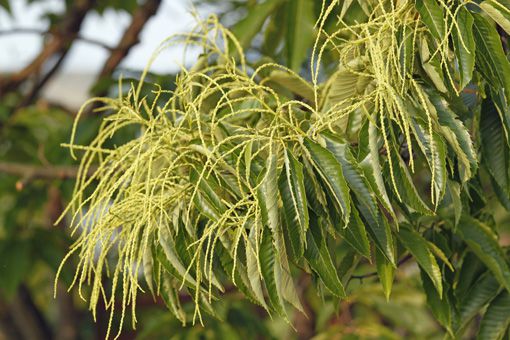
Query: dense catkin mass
x=248, y=169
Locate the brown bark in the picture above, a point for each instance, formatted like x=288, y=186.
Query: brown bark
x=57, y=44
x=130, y=37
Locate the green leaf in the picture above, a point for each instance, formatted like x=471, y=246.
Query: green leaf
x=170, y=296
x=477, y=297
x=431, y=63
x=248, y=27
x=454, y=192
x=419, y=248
x=372, y=168
x=5, y=4
x=240, y=274
x=482, y=241
x=295, y=207
x=300, y=32
x=356, y=235
x=439, y=305
x=252, y=267
x=385, y=271
x=267, y=265
x=352, y=172
x=472, y=268
x=283, y=276
x=273, y=33
x=407, y=54
x=331, y=172
x=343, y=87
x=315, y=195
x=435, y=154
x=360, y=186
x=496, y=319
x=464, y=46
x=490, y=56
x=148, y=268
x=207, y=200
x=495, y=152
x=294, y=83
x=432, y=16
x=456, y=134
x=268, y=194
x=502, y=106
x=169, y=259
x=499, y=11
x=501, y=194
x=319, y=258
x=406, y=187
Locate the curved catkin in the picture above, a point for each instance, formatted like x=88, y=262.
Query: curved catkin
x=192, y=178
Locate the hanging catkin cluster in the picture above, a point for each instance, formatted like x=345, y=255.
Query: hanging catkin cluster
x=203, y=194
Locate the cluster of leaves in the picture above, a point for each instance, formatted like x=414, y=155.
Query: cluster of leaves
x=247, y=174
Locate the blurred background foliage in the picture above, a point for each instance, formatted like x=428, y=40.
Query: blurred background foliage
x=36, y=181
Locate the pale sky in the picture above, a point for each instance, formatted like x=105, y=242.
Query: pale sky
x=17, y=50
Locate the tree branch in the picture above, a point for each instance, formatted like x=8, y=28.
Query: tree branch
x=130, y=37
x=23, y=30
x=364, y=276
x=28, y=171
x=58, y=43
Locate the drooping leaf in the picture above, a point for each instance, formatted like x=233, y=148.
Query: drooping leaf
x=246, y=29
x=331, y=172
x=365, y=198
x=406, y=188
x=439, y=305
x=267, y=264
x=283, y=277
x=490, y=56
x=464, y=46
x=356, y=235
x=343, y=86
x=385, y=271
x=148, y=268
x=239, y=273
x=432, y=65
x=318, y=256
x=268, y=195
x=295, y=206
x=456, y=134
x=481, y=292
x=495, y=151
x=472, y=268
x=252, y=268
x=454, y=193
x=435, y=154
x=373, y=171
x=432, y=15
x=419, y=248
x=172, y=264
x=300, y=32
x=293, y=83
x=170, y=296
x=482, y=241
x=496, y=320
x=499, y=11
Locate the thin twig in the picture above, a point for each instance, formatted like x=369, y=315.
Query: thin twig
x=364, y=276
x=59, y=42
x=129, y=39
x=29, y=171
x=25, y=30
